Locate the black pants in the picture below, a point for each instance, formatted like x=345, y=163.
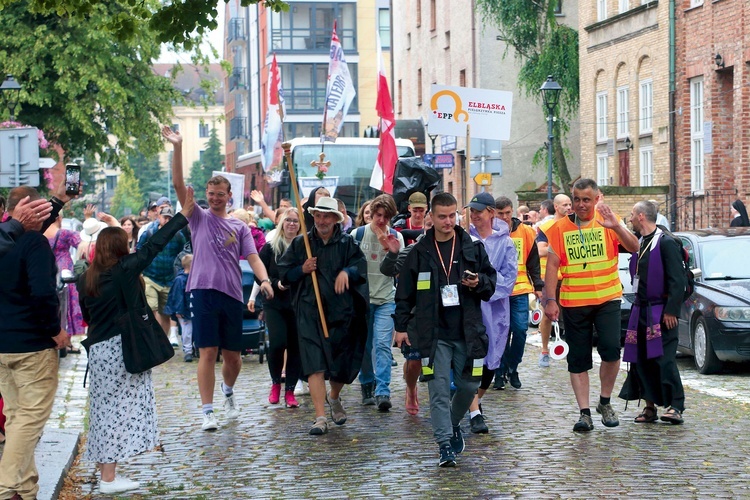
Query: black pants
x=282, y=336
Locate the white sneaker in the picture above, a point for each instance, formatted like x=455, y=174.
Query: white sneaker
x=231, y=410
x=118, y=485
x=174, y=340
x=209, y=422
x=301, y=388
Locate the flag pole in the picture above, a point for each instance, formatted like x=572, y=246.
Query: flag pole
x=293, y=180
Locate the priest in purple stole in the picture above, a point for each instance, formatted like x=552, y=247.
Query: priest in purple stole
x=651, y=340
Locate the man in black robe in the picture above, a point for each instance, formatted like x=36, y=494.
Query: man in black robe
x=341, y=271
x=651, y=342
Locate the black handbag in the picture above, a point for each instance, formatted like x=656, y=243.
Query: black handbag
x=144, y=343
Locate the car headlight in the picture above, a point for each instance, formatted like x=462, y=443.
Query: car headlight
x=732, y=313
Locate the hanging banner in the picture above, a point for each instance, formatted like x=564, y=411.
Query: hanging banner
x=237, y=181
x=307, y=184
x=488, y=112
x=340, y=91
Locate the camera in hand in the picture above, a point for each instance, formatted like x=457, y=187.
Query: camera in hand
x=72, y=179
x=469, y=275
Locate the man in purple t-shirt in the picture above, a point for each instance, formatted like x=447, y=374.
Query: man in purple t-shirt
x=215, y=285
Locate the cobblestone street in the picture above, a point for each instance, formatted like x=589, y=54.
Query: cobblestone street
x=530, y=451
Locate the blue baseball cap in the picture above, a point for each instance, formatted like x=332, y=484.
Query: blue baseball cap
x=482, y=201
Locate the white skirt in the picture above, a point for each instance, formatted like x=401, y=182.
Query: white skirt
x=122, y=408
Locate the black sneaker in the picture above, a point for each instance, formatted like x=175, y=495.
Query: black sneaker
x=447, y=457
x=609, y=417
x=477, y=425
x=383, y=403
x=515, y=382
x=457, y=440
x=584, y=424
x=499, y=383
x=368, y=399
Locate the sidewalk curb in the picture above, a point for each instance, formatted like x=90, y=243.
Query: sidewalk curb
x=54, y=455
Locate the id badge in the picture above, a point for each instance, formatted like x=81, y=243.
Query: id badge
x=449, y=294
x=636, y=279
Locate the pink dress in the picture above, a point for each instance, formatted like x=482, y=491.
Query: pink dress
x=61, y=244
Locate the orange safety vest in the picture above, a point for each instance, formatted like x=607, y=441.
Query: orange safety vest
x=523, y=237
x=589, y=268
x=543, y=260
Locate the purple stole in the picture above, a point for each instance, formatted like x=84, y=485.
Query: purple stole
x=655, y=298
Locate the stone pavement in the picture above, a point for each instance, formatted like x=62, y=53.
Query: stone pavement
x=531, y=450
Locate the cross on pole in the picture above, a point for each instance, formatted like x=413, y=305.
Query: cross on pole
x=321, y=162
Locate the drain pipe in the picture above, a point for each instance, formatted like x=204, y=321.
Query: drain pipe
x=672, y=118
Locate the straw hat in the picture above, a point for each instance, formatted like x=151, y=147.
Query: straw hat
x=91, y=228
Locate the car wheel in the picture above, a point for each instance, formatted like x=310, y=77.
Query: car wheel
x=705, y=358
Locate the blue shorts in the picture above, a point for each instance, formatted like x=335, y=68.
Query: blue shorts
x=410, y=353
x=217, y=320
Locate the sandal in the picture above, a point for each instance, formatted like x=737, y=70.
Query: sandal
x=647, y=416
x=673, y=416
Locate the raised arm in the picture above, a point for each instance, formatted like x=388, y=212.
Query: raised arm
x=177, y=179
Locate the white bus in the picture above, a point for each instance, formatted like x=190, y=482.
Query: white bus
x=352, y=161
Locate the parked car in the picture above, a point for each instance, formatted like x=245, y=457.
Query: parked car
x=628, y=294
x=714, y=323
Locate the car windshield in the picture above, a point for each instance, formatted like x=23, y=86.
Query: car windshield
x=725, y=259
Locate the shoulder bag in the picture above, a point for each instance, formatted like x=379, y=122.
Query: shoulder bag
x=144, y=343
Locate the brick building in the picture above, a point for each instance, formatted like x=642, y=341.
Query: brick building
x=624, y=83
x=712, y=98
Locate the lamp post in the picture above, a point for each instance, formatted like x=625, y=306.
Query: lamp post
x=10, y=90
x=551, y=96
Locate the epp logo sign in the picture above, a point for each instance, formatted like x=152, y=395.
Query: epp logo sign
x=458, y=109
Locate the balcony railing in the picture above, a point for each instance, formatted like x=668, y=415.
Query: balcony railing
x=237, y=80
x=236, y=30
x=311, y=40
x=238, y=128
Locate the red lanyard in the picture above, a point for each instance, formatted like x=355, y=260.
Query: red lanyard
x=450, y=264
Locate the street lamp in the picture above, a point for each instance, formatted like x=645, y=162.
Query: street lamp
x=551, y=96
x=10, y=90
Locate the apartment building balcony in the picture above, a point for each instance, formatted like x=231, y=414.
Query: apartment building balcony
x=236, y=32
x=311, y=40
x=238, y=128
x=237, y=80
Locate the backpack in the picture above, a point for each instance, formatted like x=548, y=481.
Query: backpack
x=689, y=276
x=359, y=234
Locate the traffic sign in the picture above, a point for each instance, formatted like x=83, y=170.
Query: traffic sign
x=483, y=178
x=47, y=162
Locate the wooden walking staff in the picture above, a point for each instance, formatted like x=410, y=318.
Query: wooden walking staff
x=293, y=180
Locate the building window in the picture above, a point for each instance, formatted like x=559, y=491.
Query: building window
x=419, y=87
x=400, y=98
x=696, y=3
x=307, y=26
x=646, y=98
x=558, y=7
x=601, y=116
x=305, y=86
x=624, y=6
x=304, y=129
x=433, y=15
x=622, y=112
x=647, y=166
x=696, y=134
x=601, y=10
x=203, y=130
x=462, y=78
x=200, y=154
x=419, y=13
x=602, y=170
x=384, y=27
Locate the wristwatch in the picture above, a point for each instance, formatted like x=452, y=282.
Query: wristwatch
x=265, y=281
x=548, y=299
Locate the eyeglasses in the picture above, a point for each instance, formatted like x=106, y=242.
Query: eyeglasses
x=292, y=221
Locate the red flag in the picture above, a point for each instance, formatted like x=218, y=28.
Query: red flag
x=385, y=165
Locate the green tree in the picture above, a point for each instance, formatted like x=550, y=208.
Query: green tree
x=127, y=194
x=173, y=22
x=80, y=84
x=542, y=47
x=148, y=171
x=212, y=160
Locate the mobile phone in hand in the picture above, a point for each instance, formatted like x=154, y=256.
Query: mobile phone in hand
x=469, y=275
x=72, y=179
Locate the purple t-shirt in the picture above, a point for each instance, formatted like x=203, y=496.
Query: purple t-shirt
x=218, y=246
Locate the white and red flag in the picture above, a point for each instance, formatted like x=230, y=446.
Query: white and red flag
x=385, y=165
x=273, y=126
x=340, y=91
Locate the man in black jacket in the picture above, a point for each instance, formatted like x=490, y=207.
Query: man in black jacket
x=30, y=336
x=446, y=276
